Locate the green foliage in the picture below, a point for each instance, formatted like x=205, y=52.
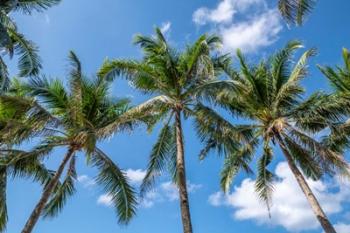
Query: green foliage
x=116, y=185
x=29, y=6
x=269, y=96
x=162, y=153
x=177, y=79
x=295, y=11
x=77, y=117
x=64, y=190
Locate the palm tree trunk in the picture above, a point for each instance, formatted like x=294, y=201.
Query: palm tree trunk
x=181, y=175
x=34, y=217
x=315, y=205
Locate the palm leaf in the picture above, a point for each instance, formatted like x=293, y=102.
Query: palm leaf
x=161, y=153
x=29, y=62
x=116, y=185
x=234, y=162
x=28, y=6
x=63, y=191
x=264, y=181
x=295, y=11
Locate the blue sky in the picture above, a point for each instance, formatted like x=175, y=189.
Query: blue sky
x=99, y=29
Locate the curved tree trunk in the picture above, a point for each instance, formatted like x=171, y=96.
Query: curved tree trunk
x=315, y=205
x=181, y=174
x=35, y=215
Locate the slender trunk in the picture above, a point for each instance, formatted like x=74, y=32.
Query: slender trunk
x=315, y=205
x=181, y=174
x=34, y=217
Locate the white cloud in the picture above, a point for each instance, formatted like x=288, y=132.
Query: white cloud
x=166, y=191
x=245, y=24
x=165, y=27
x=223, y=13
x=252, y=35
x=342, y=228
x=86, y=181
x=170, y=190
x=216, y=199
x=150, y=199
x=290, y=208
x=105, y=200
x=135, y=176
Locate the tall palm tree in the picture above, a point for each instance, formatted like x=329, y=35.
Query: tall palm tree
x=295, y=11
x=12, y=42
x=15, y=128
x=173, y=78
x=80, y=114
x=269, y=96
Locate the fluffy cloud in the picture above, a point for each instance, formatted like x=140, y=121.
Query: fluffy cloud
x=290, y=208
x=135, y=176
x=86, y=181
x=342, y=227
x=171, y=192
x=165, y=191
x=251, y=35
x=223, y=13
x=105, y=200
x=245, y=24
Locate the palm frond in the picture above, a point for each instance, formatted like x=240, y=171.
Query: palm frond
x=116, y=185
x=305, y=159
x=161, y=153
x=289, y=92
x=51, y=93
x=4, y=76
x=63, y=191
x=236, y=161
x=28, y=6
x=330, y=161
x=295, y=11
x=148, y=112
x=264, y=181
x=75, y=88
x=339, y=77
x=29, y=62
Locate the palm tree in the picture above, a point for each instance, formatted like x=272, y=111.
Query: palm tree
x=12, y=42
x=269, y=95
x=80, y=115
x=15, y=128
x=174, y=79
x=295, y=11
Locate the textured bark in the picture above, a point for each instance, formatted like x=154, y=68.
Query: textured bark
x=181, y=174
x=315, y=205
x=35, y=215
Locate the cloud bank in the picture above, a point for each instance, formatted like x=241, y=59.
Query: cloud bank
x=290, y=208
